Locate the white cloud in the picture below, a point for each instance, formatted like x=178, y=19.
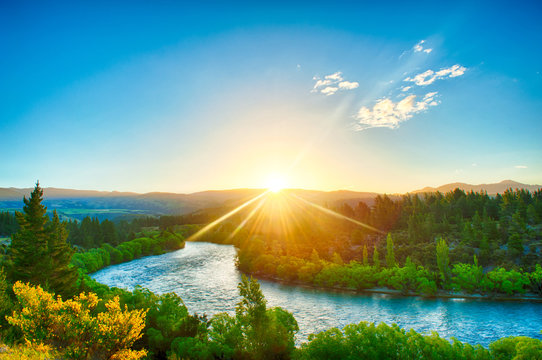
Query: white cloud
x=406, y=88
x=428, y=77
x=386, y=113
x=320, y=83
x=520, y=167
x=419, y=47
x=348, y=85
x=329, y=90
x=336, y=76
x=331, y=83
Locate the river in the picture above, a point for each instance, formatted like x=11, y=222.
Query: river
x=205, y=277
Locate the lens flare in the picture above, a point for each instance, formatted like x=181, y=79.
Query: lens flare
x=276, y=182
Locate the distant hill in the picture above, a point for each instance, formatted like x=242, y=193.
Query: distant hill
x=77, y=204
x=56, y=193
x=491, y=189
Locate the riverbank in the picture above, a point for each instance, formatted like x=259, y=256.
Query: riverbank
x=398, y=293
x=205, y=277
x=96, y=259
x=439, y=293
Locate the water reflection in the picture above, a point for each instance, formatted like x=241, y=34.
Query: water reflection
x=204, y=275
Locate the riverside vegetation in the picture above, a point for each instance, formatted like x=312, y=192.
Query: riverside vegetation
x=439, y=244
x=50, y=308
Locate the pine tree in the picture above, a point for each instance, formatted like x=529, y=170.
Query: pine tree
x=443, y=261
x=29, y=244
x=62, y=275
x=390, y=256
x=376, y=258
x=39, y=252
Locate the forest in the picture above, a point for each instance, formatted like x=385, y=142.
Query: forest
x=50, y=307
x=452, y=243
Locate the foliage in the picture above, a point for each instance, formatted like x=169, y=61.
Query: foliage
x=28, y=352
x=517, y=348
x=371, y=341
x=95, y=259
x=390, y=255
x=39, y=252
x=8, y=224
x=470, y=278
x=254, y=333
x=72, y=327
x=508, y=282
x=443, y=261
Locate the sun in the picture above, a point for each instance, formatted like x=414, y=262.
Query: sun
x=275, y=183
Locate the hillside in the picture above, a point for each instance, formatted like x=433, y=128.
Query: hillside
x=77, y=204
x=491, y=189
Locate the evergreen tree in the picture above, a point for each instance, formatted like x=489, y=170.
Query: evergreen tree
x=62, y=276
x=29, y=244
x=109, y=233
x=376, y=258
x=443, y=261
x=39, y=252
x=390, y=255
x=516, y=233
x=365, y=255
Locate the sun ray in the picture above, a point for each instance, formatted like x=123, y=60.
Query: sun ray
x=340, y=216
x=224, y=217
x=250, y=215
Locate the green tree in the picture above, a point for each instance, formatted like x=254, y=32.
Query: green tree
x=376, y=257
x=266, y=333
x=337, y=259
x=516, y=233
x=250, y=311
x=443, y=261
x=109, y=232
x=39, y=252
x=390, y=255
x=29, y=244
x=62, y=275
x=365, y=255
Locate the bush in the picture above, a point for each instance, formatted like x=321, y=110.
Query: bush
x=96, y=259
x=71, y=327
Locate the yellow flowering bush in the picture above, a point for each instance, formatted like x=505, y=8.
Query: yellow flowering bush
x=73, y=326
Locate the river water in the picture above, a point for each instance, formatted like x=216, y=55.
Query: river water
x=205, y=277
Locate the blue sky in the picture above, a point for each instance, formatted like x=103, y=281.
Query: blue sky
x=165, y=96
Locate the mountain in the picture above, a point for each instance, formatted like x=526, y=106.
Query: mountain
x=56, y=193
x=491, y=189
x=77, y=204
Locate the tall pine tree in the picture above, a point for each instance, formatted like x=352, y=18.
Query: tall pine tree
x=29, y=244
x=39, y=252
x=62, y=275
x=390, y=255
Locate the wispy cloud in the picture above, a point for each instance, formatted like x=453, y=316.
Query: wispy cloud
x=419, y=47
x=329, y=90
x=428, y=77
x=330, y=84
x=348, y=85
x=520, y=167
x=386, y=113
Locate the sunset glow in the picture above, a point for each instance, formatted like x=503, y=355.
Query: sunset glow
x=276, y=182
